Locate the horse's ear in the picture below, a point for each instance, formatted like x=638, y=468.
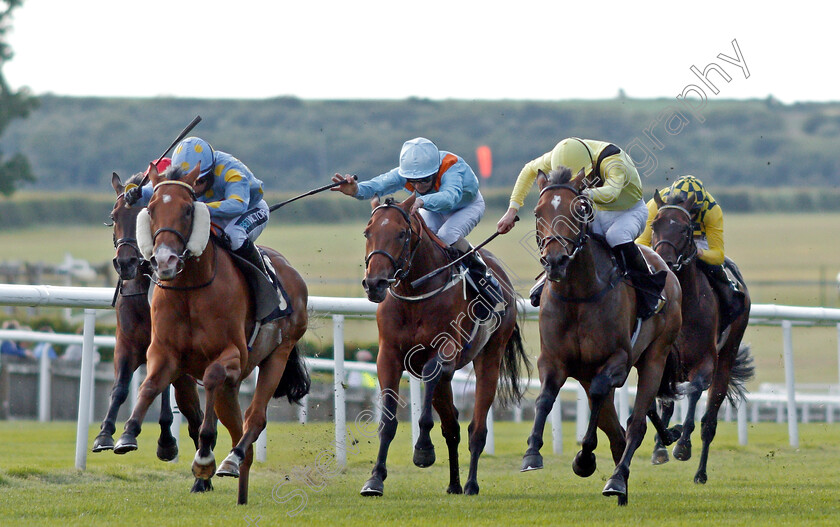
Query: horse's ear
x=117, y=183
x=580, y=181
x=152, y=175
x=408, y=202
x=374, y=202
x=657, y=198
x=541, y=179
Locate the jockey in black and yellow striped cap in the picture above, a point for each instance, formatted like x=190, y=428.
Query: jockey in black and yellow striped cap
x=707, y=217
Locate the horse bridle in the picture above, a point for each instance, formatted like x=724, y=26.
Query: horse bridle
x=403, y=259
x=566, y=241
x=183, y=256
x=688, y=251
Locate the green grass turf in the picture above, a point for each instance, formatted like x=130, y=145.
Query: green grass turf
x=763, y=483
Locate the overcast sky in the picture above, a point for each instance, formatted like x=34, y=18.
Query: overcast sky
x=523, y=49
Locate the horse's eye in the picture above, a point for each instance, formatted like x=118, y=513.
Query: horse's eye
x=401, y=235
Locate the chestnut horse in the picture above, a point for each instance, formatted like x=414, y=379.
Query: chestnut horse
x=134, y=332
x=709, y=360
x=202, y=316
x=589, y=331
x=431, y=331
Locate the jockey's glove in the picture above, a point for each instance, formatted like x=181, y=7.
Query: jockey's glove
x=133, y=194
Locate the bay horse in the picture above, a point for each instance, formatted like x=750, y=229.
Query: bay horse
x=709, y=360
x=134, y=332
x=202, y=314
x=589, y=331
x=431, y=331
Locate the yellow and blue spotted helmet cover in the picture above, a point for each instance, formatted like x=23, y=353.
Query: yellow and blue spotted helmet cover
x=190, y=152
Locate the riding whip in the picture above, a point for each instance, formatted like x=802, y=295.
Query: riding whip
x=437, y=271
x=314, y=191
x=182, y=135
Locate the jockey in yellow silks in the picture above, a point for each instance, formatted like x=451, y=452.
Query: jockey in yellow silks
x=620, y=211
x=707, y=217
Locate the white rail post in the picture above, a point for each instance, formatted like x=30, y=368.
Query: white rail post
x=44, y=385
x=303, y=409
x=838, y=354
x=85, y=390
x=175, y=427
x=490, y=445
x=262, y=440
x=340, y=396
x=557, y=426
x=742, y=422
x=582, y=413
x=416, y=408
x=134, y=387
x=623, y=396
x=790, y=385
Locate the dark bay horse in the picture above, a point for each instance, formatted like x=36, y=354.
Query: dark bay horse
x=709, y=360
x=202, y=316
x=589, y=331
x=432, y=331
x=134, y=332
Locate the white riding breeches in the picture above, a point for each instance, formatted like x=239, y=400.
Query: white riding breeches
x=621, y=226
x=456, y=224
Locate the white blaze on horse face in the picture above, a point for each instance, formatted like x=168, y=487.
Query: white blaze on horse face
x=167, y=198
x=671, y=222
x=384, y=222
x=555, y=201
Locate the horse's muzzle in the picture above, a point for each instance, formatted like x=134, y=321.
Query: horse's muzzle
x=556, y=266
x=126, y=267
x=376, y=288
x=166, y=263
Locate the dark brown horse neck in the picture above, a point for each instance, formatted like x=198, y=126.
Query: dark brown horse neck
x=425, y=255
x=590, y=275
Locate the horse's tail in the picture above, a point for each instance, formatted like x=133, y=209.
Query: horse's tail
x=670, y=377
x=295, y=382
x=513, y=362
x=742, y=371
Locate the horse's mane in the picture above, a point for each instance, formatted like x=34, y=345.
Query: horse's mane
x=173, y=173
x=136, y=179
x=560, y=176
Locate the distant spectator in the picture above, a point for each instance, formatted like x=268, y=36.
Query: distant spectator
x=10, y=347
x=74, y=351
x=47, y=347
x=362, y=379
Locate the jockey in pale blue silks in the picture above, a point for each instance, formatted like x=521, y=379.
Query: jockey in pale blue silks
x=235, y=199
x=448, y=198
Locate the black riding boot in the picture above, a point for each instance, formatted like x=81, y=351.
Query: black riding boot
x=489, y=287
x=648, y=286
x=249, y=252
x=730, y=297
x=536, y=292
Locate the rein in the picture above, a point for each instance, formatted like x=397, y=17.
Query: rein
x=688, y=252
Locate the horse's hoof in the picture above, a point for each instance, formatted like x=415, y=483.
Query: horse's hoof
x=125, y=445
x=659, y=457
x=674, y=433
x=471, y=488
x=616, y=486
x=583, y=464
x=700, y=478
x=373, y=487
x=102, y=442
x=167, y=450
x=201, y=485
x=531, y=462
x=454, y=489
x=682, y=451
x=204, y=468
x=424, y=457
x=230, y=466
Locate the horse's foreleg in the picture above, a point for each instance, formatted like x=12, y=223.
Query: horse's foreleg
x=160, y=371
x=389, y=372
x=189, y=404
x=433, y=371
x=600, y=391
x=167, y=444
x=486, y=381
x=660, y=453
x=551, y=380
x=230, y=415
x=451, y=431
x=225, y=371
x=715, y=397
x=682, y=450
x=124, y=366
x=650, y=376
x=609, y=422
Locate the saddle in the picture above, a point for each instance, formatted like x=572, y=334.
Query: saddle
x=270, y=297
